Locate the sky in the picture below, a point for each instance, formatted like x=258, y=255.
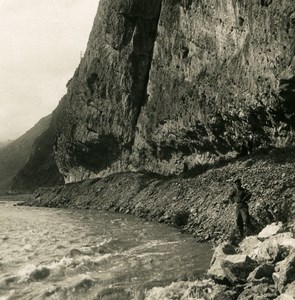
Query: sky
x=40, y=46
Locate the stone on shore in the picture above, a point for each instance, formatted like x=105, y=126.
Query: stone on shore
x=205, y=289
x=222, y=251
x=256, y=270
x=231, y=269
x=261, y=274
x=285, y=272
x=270, y=230
x=285, y=297
x=271, y=250
x=289, y=293
x=250, y=245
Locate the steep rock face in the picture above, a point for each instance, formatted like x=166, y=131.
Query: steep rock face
x=107, y=92
x=168, y=85
x=222, y=76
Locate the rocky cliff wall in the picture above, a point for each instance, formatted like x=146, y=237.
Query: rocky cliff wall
x=222, y=76
x=166, y=86
x=108, y=90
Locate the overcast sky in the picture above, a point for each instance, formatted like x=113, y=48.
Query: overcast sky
x=40, y=45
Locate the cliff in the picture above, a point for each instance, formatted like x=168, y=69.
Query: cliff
x=14, y=156
x=169, y=86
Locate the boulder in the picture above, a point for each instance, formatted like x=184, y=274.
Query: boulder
x=261, y=274
x=289, y=292
x=287, y=243
x=271, y=250
x=250, y=244
x=290, y=289
x=237, y=268
x=285, y=272
x=285, y=297
x=222, y=251
x=231, y=269
x=40, y=274
x=270, y=230
x=205, y=289
x=267, y=252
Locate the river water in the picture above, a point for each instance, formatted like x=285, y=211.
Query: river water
x=80, y=254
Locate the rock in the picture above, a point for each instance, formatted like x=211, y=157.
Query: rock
x=289, y=293
x=270, y=230
x=222, y=251
x=268, y=252
x=231, y=269
x=221, y=293
x=237, y=268
x=258, y=292
x=40, y=274
x=285, y=272
x=249, y=245
x=261, y=274
x=286, y=243
x=271, y=250
x=285, y=297
x=284, y=235
x=205, y=289
x=82, y=284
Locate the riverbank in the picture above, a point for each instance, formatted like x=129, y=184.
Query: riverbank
x=195, y=203
x=261, y=267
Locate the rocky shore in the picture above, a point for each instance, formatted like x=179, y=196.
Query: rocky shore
x=194, y=202
x=261, y=267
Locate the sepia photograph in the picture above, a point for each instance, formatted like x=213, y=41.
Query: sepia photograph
x=147, y=149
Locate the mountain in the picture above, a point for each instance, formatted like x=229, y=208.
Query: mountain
x=15, y=155
x=170, y=86
x=5, y=143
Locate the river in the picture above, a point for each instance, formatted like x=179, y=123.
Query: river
x=50, y=253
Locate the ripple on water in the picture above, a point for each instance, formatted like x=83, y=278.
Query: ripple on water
x=64, y=254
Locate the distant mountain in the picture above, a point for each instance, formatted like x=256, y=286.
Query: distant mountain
x=14, y=155
x=40, y=168
x=5, y=143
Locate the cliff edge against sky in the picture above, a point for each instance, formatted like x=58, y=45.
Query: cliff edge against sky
x=166, y=86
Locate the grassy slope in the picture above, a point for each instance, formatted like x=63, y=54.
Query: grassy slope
x=14, y=156
x=194, y=204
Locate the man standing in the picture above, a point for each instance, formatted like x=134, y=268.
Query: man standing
x=241, y=196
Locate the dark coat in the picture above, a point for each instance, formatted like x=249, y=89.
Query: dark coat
x=240, y=196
